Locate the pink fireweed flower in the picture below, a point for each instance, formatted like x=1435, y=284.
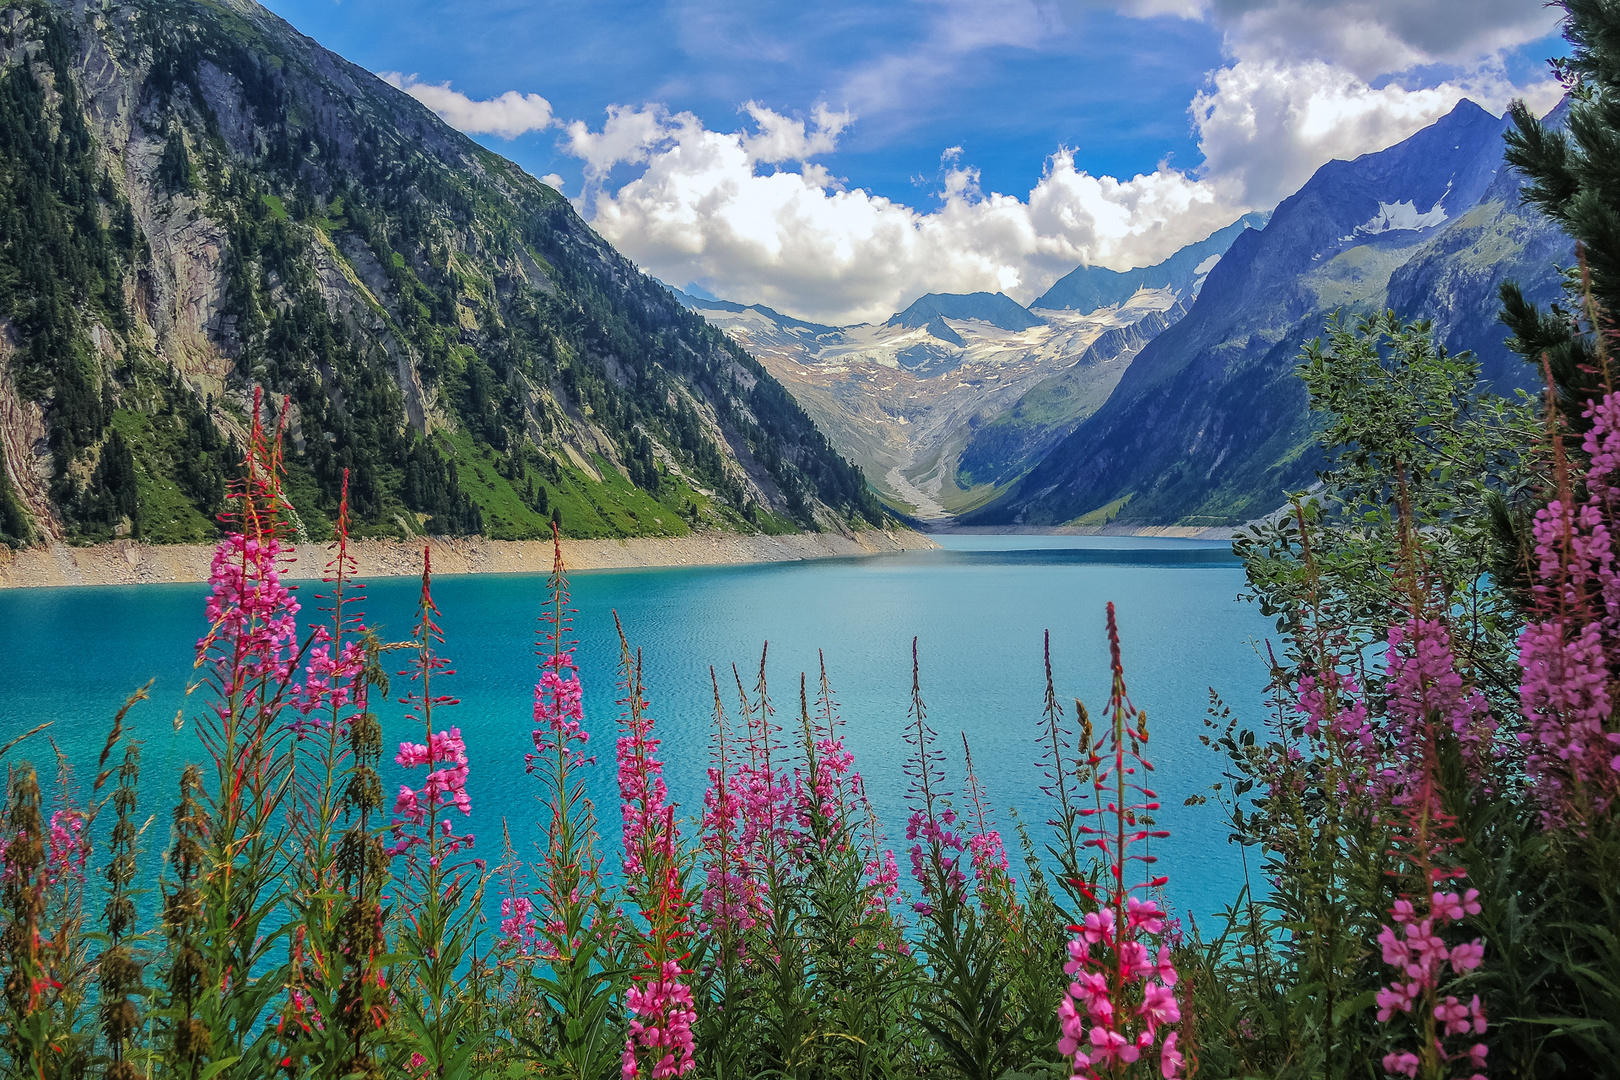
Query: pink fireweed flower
x=1423, y=685
x=661, y=1018
x=827, y=785
x=765, y=790
x=1121, y=955
x=67, y=847
x=1170, y=1060
x=1403, y=1063
x=445, y=786
x=1467, y=956
x=1164, y=969
x=251, y=642
x=1098, y=927
x=936, y=848
x=1108, y=1047
x=1159, y=1006
x=518, y=929
x=1568, y=649
x=1397, y=997
x=730, y=899
x=1091, y=989
x=1453, y=1014
x=1454, y=906
x=660, y=1042
x=568, y=891
x=1419, y=955
x=997, y=891
x=1144, y=915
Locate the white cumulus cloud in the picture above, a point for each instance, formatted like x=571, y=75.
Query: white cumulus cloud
x=1267, y=125
x=755, y=215
x=704, y=209
x=509, y=115
x=1375, y=37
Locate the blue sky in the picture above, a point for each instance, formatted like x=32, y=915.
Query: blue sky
x=939, y=145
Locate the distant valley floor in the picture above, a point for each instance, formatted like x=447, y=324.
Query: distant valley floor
x=129, y=562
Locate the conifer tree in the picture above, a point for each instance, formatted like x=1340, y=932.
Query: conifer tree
x=1571, y=171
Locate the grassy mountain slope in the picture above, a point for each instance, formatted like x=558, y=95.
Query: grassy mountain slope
x=196, y=201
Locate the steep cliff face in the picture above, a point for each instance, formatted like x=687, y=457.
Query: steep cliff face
x=197, y=202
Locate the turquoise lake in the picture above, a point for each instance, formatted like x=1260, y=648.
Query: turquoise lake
x=978, y=607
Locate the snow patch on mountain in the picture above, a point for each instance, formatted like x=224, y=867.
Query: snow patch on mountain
x=1402, y=217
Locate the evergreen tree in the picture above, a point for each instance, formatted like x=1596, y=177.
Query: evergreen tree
x=14, y=527
x=174, y=168
x=1571, y=171
x=1569, y=164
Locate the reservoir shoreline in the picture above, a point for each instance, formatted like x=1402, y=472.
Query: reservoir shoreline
x=1174, y=532
x=130, y=562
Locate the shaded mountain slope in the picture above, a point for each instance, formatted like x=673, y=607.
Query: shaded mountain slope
x=199, y=202
x=1000, y=450
x=1209, y=425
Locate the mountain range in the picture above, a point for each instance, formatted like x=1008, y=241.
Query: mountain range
x=1167, y=394
x=1209, y=425
x=198, y=204
x=947, y=402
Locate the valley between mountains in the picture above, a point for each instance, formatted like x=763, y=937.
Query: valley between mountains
x=1167, y=396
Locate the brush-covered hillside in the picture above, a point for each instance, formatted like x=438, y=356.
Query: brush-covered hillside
x=198, y=203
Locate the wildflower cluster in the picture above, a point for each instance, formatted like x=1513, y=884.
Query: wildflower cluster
x=1565, y=650
x=1419, y=955
x=1122, y=1003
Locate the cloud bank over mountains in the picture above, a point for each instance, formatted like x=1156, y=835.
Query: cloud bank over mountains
x=752, y=215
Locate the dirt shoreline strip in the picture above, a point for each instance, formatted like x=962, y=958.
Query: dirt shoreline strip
x=129, y=562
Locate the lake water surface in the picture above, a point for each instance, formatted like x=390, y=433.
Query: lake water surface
x=978, y=608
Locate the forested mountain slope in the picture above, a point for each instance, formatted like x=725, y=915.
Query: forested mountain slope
x=197, y=202
x=1209, y=425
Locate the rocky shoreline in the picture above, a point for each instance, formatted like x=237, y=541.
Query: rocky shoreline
x=129, y=562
